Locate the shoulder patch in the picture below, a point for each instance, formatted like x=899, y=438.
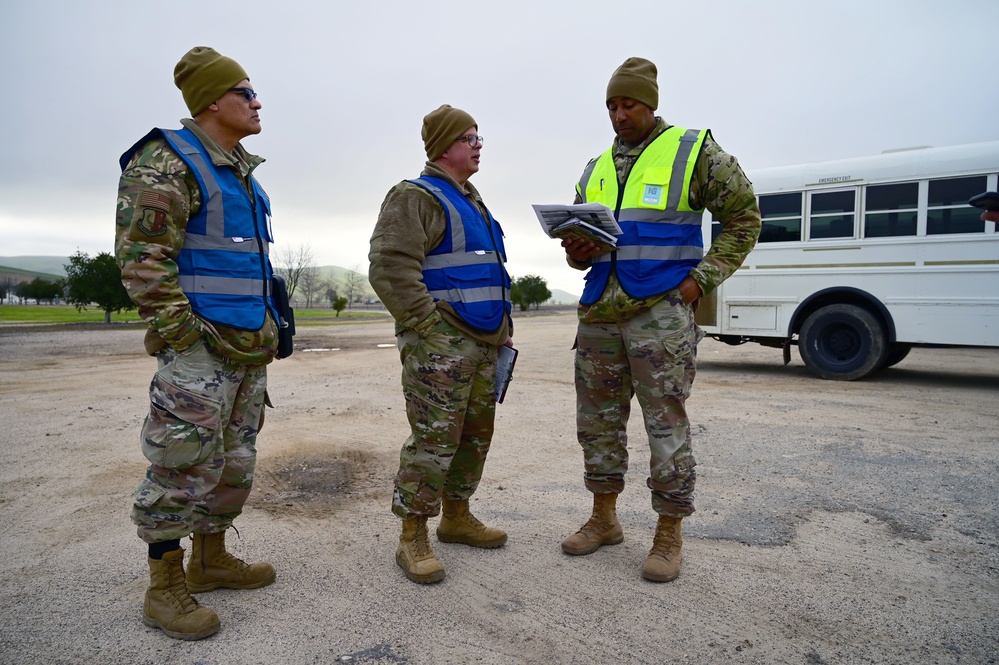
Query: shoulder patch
x=151, y=212
x=150, y=198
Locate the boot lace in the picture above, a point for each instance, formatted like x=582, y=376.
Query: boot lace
x=665, y=543
x=223, y=558
x=595, y=527
x=473, y=521
x=177, y=582
x=421, y=540
x=231, y=562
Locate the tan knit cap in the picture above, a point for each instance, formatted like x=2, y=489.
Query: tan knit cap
x=442, y=126
x=635, y=79
x=203, y=75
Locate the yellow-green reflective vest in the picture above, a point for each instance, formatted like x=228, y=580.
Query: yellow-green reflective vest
x=661, y=238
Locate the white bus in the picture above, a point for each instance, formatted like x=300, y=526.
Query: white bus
x=861, y=259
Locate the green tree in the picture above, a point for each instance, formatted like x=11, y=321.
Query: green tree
x=331, y=293
x=41, y=289
x=339, y=302
x=529, y=290
x=7, y=286
x=21, y=291
x=96, y=281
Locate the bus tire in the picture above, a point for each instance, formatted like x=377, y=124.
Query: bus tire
x=842, y=343
x=896, y=354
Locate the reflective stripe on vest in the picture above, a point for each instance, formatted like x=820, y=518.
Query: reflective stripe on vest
x=482, y=294
x=661, y=234
x=453, y=271
x=233, y=286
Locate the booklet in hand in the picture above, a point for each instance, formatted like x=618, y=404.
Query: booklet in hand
x=506, y=358
x=591, y=221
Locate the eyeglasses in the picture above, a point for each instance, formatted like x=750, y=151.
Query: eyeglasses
x=472, y=139
x=248, y=93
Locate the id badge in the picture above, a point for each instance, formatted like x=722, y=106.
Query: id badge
x=653, y=195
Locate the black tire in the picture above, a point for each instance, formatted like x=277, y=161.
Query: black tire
x=842, y=343
x=896, y=354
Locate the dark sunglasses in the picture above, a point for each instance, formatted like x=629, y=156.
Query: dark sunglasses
x=248, y=93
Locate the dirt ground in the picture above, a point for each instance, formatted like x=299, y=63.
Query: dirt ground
x=837, y=522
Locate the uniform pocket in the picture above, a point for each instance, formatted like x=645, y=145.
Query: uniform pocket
x=147, y=494
x=181, y=427
x=470, y=277
x=655, y=181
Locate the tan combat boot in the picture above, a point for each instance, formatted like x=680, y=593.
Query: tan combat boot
x=601, y=529
x=212, y=567
x=663, y=562
x=459, y=525
x=168, y=605
x=414, y=555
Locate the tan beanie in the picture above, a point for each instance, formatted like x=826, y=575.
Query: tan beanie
x=635, y=79
x=441, y=127
x=203, y=75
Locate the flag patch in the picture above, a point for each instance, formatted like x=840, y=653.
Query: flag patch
x=149, y=198
x=151, y=212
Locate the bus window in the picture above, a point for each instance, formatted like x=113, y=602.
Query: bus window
x=781, y=217
x=890, y=210
x=948, y=209
x=831, y=215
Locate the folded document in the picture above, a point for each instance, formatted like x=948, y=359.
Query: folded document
x=591, y=221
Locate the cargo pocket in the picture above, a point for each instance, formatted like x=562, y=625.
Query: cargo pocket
x=417, y=491
x=181, y=427
x=147, y=494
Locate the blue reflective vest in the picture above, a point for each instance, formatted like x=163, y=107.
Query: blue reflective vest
x=661, y=239
x=223, y=266
x=466, y=270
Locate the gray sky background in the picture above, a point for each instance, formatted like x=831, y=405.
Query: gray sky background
x=345, y=85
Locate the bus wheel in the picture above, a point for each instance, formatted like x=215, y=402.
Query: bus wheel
x=842, y=342
x=896, y=354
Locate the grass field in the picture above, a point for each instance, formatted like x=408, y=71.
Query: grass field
x=39, y=314
x=58, y=314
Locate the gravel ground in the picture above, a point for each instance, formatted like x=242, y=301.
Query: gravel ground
x=837, y=522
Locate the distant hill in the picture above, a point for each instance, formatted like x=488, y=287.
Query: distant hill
x=560, y=297
x=45, y=266
x=49, y=266
x=337, y=273
x=52, y=266
x=17, y=275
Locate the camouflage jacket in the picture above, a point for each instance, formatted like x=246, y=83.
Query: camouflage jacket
x=410, y=224
x=157, y=181
x=719, y=185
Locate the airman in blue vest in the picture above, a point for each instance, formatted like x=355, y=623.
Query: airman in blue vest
x=438, y=264
x=192, y=240
x=636, y=334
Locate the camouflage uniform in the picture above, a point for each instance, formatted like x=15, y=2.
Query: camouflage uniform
x=647, y=347
x=449, y=368
x=207, y=397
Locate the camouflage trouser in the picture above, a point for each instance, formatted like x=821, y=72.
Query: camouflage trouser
x=652, y=356
x=448, y=381
x=200, y=437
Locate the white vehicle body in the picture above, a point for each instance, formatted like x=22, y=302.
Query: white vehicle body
x=860, y=259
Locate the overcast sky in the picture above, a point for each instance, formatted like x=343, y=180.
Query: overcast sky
x=345, y=85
